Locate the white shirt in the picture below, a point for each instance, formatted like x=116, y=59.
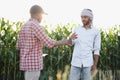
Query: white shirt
x=87, y=42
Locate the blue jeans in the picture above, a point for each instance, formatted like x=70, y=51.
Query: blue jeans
x=80, y=72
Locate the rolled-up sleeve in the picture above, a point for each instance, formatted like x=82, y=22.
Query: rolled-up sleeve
x=46, y=40
x=97, y=44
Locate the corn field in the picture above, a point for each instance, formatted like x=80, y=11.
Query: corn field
x=57, y=62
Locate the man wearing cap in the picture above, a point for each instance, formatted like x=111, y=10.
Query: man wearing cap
x=86, y=48
x=30, y=41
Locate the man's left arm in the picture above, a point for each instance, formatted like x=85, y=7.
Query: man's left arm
x=97, y=45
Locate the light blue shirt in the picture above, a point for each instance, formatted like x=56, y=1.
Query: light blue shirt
x=87, y=42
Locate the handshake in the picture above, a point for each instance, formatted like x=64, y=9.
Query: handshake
x=67, y=41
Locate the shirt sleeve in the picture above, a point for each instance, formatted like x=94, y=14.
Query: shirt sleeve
x=73, y=41
x=40, y=34
x=97, y=44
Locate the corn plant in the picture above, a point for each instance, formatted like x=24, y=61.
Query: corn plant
x=9, y=57
x=58, y=57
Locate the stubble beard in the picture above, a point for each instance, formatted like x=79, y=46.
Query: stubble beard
x=87, y=23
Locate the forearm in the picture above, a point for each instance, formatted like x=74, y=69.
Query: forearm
x=66, y=42
x=96, y=57
x=61, y=42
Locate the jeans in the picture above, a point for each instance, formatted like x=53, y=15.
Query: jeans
x=32, y=75
x=80, y=72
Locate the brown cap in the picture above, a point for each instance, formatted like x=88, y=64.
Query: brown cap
x=36, y=9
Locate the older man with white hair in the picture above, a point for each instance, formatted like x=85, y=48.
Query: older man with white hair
x=85, y=46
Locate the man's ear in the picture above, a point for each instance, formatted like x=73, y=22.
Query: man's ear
x=90, y=20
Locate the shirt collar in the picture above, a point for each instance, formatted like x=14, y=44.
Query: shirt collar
x=89, y=28
x=34, y=20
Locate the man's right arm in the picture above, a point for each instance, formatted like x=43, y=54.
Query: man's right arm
x=46, y=40
x=39, y=33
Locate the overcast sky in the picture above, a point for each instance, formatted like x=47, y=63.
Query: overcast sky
x=106, y=12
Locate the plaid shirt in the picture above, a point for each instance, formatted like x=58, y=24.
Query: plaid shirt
x=30, y=41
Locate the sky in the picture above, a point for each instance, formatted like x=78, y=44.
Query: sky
x=106, y=12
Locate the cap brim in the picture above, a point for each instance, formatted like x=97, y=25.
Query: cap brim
x=45, y=13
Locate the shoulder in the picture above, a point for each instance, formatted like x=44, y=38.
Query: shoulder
x=34, y=25
x=95, y=30
x=76, y=28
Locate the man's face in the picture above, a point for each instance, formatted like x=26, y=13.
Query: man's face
x=85, y=20
x=39, y=16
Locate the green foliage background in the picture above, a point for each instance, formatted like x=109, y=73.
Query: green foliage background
x=58, y=57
